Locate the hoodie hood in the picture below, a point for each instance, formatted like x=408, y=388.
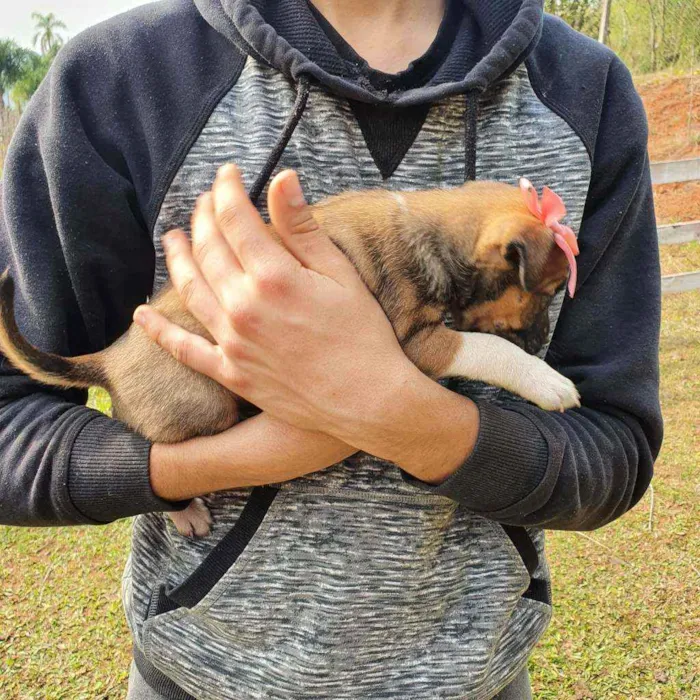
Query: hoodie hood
x=494, y=38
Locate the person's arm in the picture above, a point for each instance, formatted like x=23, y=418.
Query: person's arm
x=583, y=468
x=299, y=335
x=258, y=451
x=72, y=236
x=264, y=450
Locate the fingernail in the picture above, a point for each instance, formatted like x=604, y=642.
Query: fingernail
x=167, y=241
x=140, y=316
x=292, y=191
x=228, y=170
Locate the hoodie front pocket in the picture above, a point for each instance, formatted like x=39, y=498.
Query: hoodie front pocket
x=348, y=594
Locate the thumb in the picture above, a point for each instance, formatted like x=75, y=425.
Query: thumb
x=299, y=232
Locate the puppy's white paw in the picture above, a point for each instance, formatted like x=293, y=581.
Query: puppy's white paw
x=194, y=521
x=548, y=389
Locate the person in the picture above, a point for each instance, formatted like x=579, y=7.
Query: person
x=376, y=534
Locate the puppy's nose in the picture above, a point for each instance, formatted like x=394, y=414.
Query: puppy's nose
x=532, y=339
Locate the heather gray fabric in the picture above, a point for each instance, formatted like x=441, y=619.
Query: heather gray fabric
x=519, y=689
x=356, y=579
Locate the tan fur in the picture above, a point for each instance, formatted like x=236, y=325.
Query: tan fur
x=406, y=248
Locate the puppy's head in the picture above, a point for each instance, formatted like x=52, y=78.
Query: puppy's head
x=520, y=269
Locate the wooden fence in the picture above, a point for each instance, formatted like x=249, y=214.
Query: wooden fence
x=667, y=173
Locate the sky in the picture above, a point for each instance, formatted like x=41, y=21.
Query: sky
x=16, y=21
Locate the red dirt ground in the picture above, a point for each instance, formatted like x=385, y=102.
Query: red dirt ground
x=677, y=203
x=667, y=99
x=674, y=134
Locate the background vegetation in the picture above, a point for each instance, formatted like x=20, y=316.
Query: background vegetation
x=21, y=69
x=626, y=623
x=649, y=35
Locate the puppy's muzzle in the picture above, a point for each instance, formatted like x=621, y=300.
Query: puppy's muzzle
x=531, y=339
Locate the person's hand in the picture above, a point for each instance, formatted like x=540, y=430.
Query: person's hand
x=296, y=331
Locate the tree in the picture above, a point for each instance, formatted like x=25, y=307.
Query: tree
x=30, y=79
x=46, y=32
x=582, y=15
x=15, y=63
x=27, y=84
x=22, y=70
x=604, y=29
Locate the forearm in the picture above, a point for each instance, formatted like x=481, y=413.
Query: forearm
x=416, y=423
x=36, y=432
x=64, y=464
x=261, y=450
x=577, y=470
x=586, y=467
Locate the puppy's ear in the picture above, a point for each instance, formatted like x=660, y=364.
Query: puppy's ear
x=530, y=258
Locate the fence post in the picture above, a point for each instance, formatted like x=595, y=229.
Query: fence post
x=692, y=93
x=604, y=22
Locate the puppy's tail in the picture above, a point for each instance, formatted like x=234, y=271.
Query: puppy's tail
x=70, y=372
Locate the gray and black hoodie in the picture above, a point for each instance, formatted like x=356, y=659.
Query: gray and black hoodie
x=358, y=581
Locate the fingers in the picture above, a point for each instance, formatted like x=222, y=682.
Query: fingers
x=293, y=220
x=241, y=224
x=195, y=292
x=188, y=348
x=212, y=251
x=292, y=216
x=213, y=255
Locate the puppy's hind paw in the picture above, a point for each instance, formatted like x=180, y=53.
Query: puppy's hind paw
x=194, y=521
x=550, y=390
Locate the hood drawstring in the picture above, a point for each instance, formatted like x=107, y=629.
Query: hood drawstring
x=470, y=137
x=292, y=122
x=470, y=125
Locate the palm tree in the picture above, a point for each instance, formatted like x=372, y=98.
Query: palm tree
x=46, y=35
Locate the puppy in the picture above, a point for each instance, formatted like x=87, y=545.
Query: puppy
x=480, y=253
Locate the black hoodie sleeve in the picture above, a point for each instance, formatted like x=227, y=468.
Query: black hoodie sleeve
x=584, y=468
x=82, y=185
x=72, y=234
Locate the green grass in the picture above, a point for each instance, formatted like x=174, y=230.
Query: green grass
x=100, y=400
x=62, y=632
x=680, y=258
x=626, y=621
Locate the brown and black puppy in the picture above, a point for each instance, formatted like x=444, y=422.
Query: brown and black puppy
x=476, y=252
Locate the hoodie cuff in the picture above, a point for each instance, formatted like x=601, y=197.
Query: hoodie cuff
x=108, y=475
x=508, y=463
